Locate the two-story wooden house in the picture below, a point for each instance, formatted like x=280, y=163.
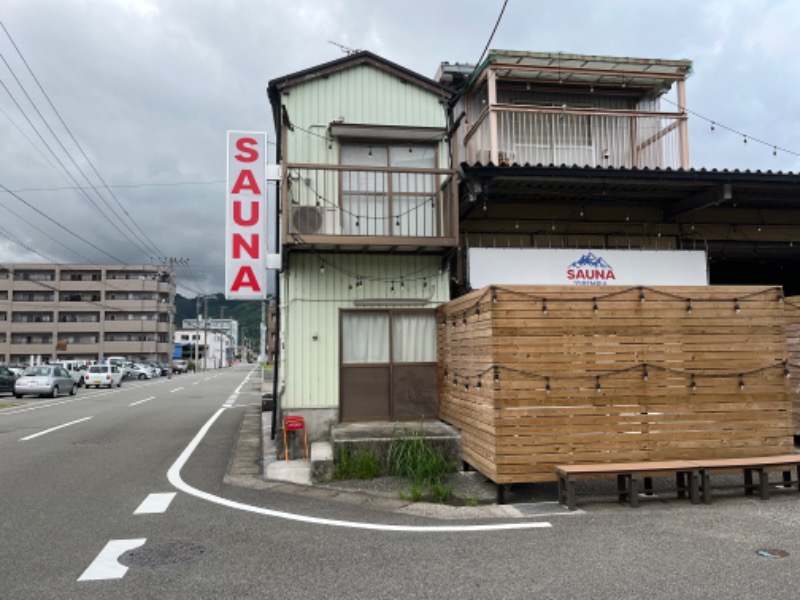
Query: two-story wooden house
x=368, y=205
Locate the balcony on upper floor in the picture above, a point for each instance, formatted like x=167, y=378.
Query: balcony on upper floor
x=373, y=209
x=574, y=110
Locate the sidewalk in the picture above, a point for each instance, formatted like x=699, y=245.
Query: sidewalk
x=254, y=454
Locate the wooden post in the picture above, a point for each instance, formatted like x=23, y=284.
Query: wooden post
x=683, y=129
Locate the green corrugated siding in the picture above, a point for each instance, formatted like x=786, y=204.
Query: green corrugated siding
x=311, y=306
x=360, y=95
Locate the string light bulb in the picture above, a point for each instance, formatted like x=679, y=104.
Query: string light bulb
x=645, y=374
x=641, y=294
x=595, y=307
x=736, y=305
x=741, y=382
x=597, y=386
x=547, y=385
x=496, y=375
x=689, y=305
x=544, y=306
x=694, y=383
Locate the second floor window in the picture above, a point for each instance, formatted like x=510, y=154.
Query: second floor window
x=393, y=201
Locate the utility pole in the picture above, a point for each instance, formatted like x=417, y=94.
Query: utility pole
x=221, y=334
x=171, y=340
x=205, y=335
x=197, y=334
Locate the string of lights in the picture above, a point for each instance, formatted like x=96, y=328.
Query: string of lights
x=745, y=137
x=322, y=200
x=547, y=303
x=475, y=378
x=422, y=274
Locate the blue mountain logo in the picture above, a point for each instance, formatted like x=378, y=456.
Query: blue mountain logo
x=590, y=260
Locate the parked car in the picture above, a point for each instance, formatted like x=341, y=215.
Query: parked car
x=7, y=379
x=99, y=375
x=179, y=365
x=75, y=368
x=140, y=371
x=44, y=380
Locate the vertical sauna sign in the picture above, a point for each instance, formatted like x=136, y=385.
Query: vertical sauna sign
x=245, y=219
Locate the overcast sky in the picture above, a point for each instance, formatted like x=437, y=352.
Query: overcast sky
x=150, y=87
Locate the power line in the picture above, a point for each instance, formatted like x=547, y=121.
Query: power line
x=67, y=229
x=121, y=186
x=75, y=141
x=494, y=30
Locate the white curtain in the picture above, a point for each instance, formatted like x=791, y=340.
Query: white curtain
x=414, y=338
x=365, y=338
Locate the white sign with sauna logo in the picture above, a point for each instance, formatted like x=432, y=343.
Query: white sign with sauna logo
x=563, y=266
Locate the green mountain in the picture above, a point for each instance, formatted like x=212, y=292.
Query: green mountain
x=246, y=312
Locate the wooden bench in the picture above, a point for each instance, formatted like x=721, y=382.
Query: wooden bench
x=629, y=478
x=785, y=463
x=693, y=476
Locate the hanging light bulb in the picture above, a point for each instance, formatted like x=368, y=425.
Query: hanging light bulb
x=547, y=385
x=694, y=384
x=402, y=284
x=597, y=386
x=741, y=382
x=736, y=305
x=544, y=306
x=645, y=374
x=641, y=294
x=496, y=375
x=744, y=138
x=774, y=151
x=689, y=305
x=713, y=128
x=595, y=307
x=391, y=289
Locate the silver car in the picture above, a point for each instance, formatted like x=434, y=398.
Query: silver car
x=44, y=380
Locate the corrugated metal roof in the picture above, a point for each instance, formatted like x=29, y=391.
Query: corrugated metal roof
x=651, y=74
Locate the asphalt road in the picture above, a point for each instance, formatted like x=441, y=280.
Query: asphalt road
x=69, y=493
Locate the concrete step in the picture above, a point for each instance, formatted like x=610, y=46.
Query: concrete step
x=321, y=461
x=293, y=471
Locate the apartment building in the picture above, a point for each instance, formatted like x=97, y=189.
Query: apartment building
x=85, y=312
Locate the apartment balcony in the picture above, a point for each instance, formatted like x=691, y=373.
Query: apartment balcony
x=332, y=207
x=575, y=136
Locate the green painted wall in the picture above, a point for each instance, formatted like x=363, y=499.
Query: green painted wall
x=310, y=306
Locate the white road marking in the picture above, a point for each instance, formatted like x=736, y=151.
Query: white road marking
x=46, y=431
x=178, y=389
x=174, y=477
x=106, y=566
x=142, y=401
x=39, y=406
x=155, y=503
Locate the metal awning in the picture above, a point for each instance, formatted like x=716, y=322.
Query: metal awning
x=386, y=132
x=650, y=74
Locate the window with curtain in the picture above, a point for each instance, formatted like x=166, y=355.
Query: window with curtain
x=365, y=337
x=374, y=203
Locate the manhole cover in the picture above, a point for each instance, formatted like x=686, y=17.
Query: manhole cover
x=541, y=508
x=772, y=553
x=164, y=555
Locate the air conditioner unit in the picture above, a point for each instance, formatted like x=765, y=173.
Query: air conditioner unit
x=315, y=220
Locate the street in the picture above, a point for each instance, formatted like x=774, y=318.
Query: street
x=90, y=479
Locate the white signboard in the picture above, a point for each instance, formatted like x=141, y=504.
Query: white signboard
x=245, y=219
x=533, y=266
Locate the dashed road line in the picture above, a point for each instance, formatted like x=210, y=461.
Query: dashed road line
x=106, y=565
x=46, y=431
x=155, y=503
x=178, y=389
x=142, y=401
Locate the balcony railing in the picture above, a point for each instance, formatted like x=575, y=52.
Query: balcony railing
x=583, y=137
x=328, y=204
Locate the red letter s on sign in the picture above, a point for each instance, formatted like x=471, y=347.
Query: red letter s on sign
x=242, y=146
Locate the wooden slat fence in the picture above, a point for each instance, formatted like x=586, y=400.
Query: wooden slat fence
x=540, y=375
x=793, y=343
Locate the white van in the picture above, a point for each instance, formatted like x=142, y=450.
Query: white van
x=76, y=368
